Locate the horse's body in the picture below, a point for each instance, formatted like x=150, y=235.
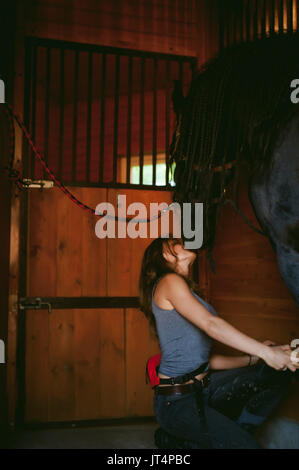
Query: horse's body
x=239, y=108
x=275, y=200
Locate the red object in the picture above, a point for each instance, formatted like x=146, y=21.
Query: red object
x=152, y=366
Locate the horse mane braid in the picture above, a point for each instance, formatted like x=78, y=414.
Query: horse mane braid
x=236, y=107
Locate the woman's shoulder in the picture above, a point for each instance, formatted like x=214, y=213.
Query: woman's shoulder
x=173, y=280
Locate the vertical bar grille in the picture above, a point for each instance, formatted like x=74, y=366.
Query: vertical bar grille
x=255, y=18
x=104, y=114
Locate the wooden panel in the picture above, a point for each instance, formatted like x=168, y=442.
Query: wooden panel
x=37, y=365
x=5, y=195
x=62, y=235
x=159, y=26
x=16, y=96
x=42, y=239
x=93, y=250
x=125, y=254
x=140, y=345
x=87, y=359
x=112, y=364
x=61, y=366
x=75, y=365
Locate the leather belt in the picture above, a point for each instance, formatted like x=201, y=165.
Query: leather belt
x=184, y=388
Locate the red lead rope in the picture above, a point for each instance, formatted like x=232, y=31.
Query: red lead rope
x=43, y=163
x=14, y=174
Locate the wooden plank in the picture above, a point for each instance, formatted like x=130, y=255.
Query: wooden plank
x=87, y=340
x=257, y=307
x=69, y=239
x=93, y=249
x=42, y=239
x=112, y=364
x=141, y=25
x=61, y=366
x=248, y=287
x=37, y=367
x=140, y=346
x=15, y=221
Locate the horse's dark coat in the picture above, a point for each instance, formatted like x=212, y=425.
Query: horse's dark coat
x=239, y=107
x=275, y=199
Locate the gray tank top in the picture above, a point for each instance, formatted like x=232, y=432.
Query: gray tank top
x=184, y=346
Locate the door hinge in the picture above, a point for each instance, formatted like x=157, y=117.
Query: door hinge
x=33, y=303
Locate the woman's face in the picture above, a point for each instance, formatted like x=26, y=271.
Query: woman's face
x=182, y=254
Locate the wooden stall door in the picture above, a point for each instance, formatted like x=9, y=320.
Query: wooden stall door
x=84, y=363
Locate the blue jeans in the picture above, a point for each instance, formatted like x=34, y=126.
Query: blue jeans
x=225, y=414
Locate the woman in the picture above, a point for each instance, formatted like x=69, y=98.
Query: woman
x=204, y=401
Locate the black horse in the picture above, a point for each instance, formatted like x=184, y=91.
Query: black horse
x=241, y=109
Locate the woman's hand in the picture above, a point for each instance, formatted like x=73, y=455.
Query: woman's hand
x=255, y=359
x=279, y=358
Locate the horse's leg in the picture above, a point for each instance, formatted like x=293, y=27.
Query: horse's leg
x=275, y=200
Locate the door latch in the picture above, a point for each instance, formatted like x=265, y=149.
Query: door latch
x=33, y=304
x=39, y=184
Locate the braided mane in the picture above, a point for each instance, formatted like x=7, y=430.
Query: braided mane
x=236, y=106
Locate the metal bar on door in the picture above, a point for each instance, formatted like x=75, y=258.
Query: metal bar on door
x=74, y=156
x=116, y=106
x=46, y=128
x=155, y=69
x=102, y=130
x=88, y=123
x=61, y=127
x=167, y=120
x=27, y=96
x=141, y=135
x=129, y=120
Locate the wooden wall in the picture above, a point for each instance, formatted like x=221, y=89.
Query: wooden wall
x=5, y=195
x=147, y=25
x=247, y=289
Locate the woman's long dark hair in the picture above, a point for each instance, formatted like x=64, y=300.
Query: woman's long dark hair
x=153, y=267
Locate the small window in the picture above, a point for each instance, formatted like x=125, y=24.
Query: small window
x=147, y=170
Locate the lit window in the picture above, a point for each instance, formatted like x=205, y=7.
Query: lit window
x=147, y=170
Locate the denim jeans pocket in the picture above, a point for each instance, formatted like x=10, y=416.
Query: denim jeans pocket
x=174, y=405
x=168, y=400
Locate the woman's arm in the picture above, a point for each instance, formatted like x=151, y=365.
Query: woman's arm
x=178, y=293
x=220, y=362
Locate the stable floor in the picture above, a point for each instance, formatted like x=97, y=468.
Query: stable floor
x=276, y=433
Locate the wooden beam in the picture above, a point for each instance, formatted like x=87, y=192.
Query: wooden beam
x=18, y=99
